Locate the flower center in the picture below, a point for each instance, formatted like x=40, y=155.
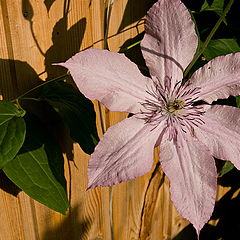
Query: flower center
x=174, y=106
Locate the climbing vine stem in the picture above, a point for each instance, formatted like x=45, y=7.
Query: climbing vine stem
x=205, y=44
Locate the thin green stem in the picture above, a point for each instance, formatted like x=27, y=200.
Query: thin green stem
x=41, y=85
x=18, y=105
x=201, y=50
x=31, y=99
x=129, y=47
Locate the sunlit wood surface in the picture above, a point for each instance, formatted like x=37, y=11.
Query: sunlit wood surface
x=32, y=36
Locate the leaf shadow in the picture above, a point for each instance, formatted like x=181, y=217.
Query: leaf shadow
x=27, y=10
x=135, y=53
x=7, y=185
x=66, y=43
x=12, y=71
x=71, y=227
x=48, y=4
x=134, y=11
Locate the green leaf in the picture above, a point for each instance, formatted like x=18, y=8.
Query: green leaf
x=12, y=131
x=12, y=135
x=238, y=101
x=227, y=167
x=220, y=47
x=76, y=111
x=38, y=168
x=216, y=6
x=8, y=110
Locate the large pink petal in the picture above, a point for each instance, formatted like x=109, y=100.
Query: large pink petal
x=109, y=77
x=221, y=132
x=218, y=78
x=125, y=152
x=170, y=41
x=193, y=178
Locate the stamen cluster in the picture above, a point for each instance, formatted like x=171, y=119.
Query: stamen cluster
x=174, y=105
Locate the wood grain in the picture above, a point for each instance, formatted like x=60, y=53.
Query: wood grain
x=31, y=38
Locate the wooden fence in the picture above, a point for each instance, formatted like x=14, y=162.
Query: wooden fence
x=34, y=34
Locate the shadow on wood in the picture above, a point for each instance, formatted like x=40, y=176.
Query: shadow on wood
x=135, y=53
x=70, y=228
x=48, y=4
x=134, y=11
x=66, y=43
x=15, y=78
x=7, y=185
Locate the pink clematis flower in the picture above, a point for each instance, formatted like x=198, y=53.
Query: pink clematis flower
x=167, y=111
